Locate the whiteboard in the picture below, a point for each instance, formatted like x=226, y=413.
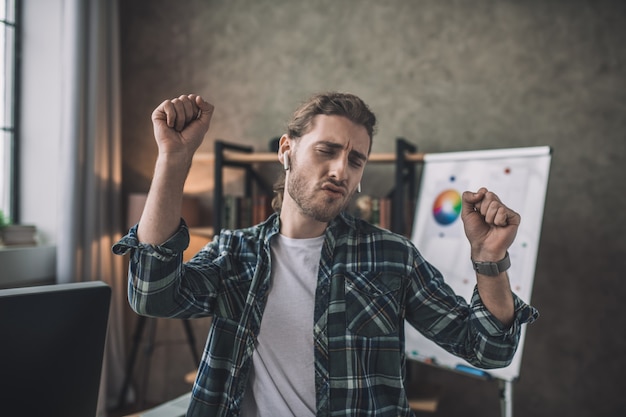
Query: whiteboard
x=519, y=176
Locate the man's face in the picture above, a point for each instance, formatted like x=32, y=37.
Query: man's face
x=326, y=166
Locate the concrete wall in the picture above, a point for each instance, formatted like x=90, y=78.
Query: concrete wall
x=446, y=75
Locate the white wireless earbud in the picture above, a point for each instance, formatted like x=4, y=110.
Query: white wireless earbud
x=358, y=188
x=286, y=160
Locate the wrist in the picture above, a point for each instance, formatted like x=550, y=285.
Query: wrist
x=175, y=159
x=170, y=173
x=175, y=165
x=492, y=268
x=485, y=254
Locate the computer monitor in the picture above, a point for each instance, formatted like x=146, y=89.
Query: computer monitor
x=51, y=349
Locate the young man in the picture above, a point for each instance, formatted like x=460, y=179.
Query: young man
x=309, y=306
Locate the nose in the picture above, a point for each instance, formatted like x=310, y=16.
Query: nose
x=338, y=168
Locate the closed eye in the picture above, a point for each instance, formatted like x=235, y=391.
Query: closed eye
x=329, y=149
x=357, y=159
x=357, y=163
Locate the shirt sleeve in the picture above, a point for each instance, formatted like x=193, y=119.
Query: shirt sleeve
x=159, y=284
x=496, y=344
x=467, y=330
x=173, y=246
x=488, y=324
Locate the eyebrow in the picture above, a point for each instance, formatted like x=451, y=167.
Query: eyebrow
x=334, y=145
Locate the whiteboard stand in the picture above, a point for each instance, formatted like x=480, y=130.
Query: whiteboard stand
x=520, y=177
x=506, y=398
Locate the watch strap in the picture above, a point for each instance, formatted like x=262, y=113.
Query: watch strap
x=492, y=269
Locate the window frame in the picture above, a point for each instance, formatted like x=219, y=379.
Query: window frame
x=11, y=97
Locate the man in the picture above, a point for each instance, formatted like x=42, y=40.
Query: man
x=309, y=306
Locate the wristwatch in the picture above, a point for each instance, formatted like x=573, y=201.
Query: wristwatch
x=492, y=269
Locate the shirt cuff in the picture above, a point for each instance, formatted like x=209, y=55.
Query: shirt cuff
x=171, y=248
x=488, y=324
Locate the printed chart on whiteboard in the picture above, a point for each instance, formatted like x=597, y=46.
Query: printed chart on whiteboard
x=519, y=176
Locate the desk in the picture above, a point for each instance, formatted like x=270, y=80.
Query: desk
x=173, y=408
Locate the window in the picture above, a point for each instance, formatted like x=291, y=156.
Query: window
x=8, y=143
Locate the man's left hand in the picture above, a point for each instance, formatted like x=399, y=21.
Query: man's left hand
x=490, y=226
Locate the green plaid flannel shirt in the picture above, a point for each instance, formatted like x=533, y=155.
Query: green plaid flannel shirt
x=370, y=281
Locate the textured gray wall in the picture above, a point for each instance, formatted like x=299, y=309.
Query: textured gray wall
x=448, y=76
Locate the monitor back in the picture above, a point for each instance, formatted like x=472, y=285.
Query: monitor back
x=51, y=348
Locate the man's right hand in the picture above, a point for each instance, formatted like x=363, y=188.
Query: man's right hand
x=179, y=128
x=181, y=123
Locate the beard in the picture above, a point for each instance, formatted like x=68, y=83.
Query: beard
x=307, y=196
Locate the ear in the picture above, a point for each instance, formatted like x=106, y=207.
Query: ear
x=284, y=145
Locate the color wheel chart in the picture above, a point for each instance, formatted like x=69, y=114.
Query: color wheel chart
x=519, y=176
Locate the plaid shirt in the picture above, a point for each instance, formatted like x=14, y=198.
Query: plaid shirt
x=369, y=282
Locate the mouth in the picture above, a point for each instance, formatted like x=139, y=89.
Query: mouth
x=334, y=189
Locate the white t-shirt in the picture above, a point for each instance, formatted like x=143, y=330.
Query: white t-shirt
x=282, y=378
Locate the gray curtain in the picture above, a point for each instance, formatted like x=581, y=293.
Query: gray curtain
x=90, y=190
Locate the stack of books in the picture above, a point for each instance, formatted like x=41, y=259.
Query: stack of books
x=18, y=234
x=239, y=212
x=375, y=210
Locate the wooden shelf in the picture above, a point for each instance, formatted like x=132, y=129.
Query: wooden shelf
x=268, y=157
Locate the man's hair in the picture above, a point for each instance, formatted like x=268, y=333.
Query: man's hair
x=328, y=104
x=331, y=104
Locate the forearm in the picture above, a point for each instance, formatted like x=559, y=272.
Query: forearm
x=495, y=292
x=491, y=228
x=179, y=127
x=161, y=215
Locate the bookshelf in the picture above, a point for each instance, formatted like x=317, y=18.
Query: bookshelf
x=241, y=157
